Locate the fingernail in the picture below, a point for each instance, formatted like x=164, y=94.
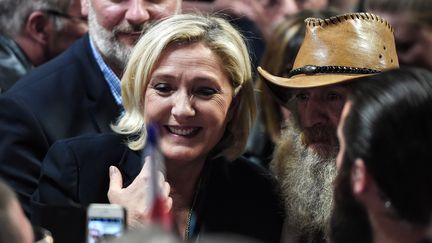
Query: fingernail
x=111, y=170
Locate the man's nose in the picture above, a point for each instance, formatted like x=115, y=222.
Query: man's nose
x=137, y=12
x=314, y=114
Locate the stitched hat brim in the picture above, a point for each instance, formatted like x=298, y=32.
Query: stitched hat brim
x=308, y=81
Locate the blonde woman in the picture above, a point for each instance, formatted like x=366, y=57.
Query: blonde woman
x=190, y=76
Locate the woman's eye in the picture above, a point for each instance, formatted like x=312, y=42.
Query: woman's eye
x=205, y=91
x=162, y=88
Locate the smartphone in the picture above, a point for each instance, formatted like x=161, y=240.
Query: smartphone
x=105, y=221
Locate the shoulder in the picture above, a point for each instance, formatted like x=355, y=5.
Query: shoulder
x=92, y=145
x=242, y=179
x=76, y=169
x=56, y=74
x=100, y=138
x=244, y=171
x=82, y=162
x=243, y=198
x=62, y=91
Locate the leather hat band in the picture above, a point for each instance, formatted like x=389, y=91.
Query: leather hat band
x=312, y=69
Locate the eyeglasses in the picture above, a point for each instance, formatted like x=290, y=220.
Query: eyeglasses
x=65, y=15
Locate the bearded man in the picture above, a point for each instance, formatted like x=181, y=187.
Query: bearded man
x=334, y=51
x=76, y=93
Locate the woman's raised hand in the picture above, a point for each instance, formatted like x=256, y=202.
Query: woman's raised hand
x=138, y=198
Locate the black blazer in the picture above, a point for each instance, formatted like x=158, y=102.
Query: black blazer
x=65, y=97
x=235, y=197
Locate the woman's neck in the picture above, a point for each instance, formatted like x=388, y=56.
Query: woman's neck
x=184, y=181
x=183, y=178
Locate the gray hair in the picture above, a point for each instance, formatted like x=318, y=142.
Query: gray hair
x=14, y=14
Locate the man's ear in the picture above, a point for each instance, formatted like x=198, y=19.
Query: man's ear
x=85, y=7
x=359, y=177
x=38, y=27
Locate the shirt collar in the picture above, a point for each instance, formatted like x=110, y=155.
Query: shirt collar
x=111, y=78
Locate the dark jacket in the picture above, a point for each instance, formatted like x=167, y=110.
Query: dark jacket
x=14, y=64
x=235, y=197
x=66, y=97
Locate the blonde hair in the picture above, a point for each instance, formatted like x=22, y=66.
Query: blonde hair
x=183, y=29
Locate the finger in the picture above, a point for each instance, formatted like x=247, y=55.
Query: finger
x=166, y=189
x=146, y=169
x=142, y=175
x=168, y=204
x=115, y=184
x=160, y=178
x=116, y=180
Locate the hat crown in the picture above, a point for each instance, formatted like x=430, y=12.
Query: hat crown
x=338, y=49
x=360, y=40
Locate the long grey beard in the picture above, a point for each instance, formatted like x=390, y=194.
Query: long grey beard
x=306, y=181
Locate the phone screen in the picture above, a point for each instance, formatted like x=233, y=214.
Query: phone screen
x=101, y=229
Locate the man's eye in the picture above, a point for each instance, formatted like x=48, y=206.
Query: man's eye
x=163, y=88
x=302, y=97
x=334, y=96
x=205, y=91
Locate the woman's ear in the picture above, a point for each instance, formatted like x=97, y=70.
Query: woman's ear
x=359, y=177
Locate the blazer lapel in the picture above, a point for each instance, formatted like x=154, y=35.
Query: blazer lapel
x=104, y=111
x=130, y=165
x=100, y=103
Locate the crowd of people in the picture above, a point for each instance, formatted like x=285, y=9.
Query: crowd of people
x=276, y=120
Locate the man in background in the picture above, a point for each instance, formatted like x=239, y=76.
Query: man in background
x=34, y=31
x=412, y=21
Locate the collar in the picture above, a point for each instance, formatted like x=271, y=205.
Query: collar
x=112, y=80
x=14, y=48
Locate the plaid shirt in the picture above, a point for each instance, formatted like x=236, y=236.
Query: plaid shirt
x=111, y=78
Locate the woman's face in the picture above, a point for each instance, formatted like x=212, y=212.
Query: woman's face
x=188, y=98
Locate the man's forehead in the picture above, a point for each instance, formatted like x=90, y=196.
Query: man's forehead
x=340, y=88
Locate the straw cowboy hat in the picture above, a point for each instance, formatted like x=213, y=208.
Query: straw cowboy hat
x=338, y=49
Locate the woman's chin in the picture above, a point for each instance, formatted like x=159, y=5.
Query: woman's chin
x=182, y=156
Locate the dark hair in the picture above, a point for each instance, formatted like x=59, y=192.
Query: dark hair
x=389, y=126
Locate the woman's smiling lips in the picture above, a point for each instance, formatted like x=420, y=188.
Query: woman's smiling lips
x=183, y=131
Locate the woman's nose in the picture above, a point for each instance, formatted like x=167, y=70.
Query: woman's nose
x=183, y=106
